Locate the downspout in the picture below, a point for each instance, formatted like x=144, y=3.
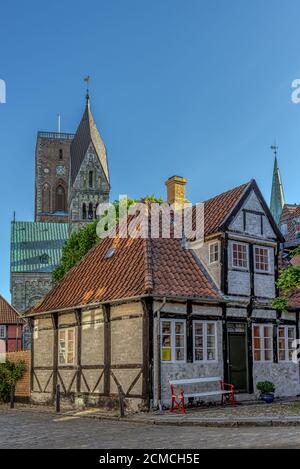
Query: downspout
x=156, y=314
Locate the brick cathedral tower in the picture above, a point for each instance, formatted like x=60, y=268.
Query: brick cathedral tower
x=52, y=165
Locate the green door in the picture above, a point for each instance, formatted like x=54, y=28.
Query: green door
x=237, y=356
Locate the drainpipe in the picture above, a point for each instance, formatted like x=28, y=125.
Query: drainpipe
x=158, y=364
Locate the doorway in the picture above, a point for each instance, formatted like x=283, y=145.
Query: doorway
x=237, y=356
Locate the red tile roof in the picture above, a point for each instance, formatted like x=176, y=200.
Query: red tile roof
x=294, y=299
x=159, y=266
x=8, y=315
x=288, y=216
x=137, y=267
x=217, y=209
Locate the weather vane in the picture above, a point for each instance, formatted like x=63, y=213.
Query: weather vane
x=87, y=79
x=274, y=148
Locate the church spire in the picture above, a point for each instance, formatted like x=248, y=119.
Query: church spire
x=277, y=194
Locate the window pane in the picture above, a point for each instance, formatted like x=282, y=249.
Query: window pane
x=291, y=332
x=210, y=328
x=257, y=355
x=267, y=331
x=179, y=328
x=166, y=354
x=199, y=354
x=198, y=341
x=281, y=355
x=166, y=327
x=179, y=354
x=211, y=354
x=281, y=331
x=179, y=341
x=210, y=342
x=256, y=331
x=268, y=343
x=268, y=355
x=198, y=328
x=166, y=341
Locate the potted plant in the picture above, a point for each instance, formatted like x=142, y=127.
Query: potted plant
x=266, y=389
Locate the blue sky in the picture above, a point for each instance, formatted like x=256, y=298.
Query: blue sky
x=198, y=88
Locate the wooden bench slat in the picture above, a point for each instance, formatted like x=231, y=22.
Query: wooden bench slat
x=195, y=380
x=209, y=393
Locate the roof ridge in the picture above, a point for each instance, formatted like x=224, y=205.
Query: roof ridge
x=246, y=184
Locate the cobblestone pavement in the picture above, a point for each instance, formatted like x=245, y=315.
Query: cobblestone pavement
x=19, y=429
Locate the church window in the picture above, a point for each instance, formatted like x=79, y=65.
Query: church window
x=61, y=154
x=46, y=197
x=44, y=258
x=60, y=199
x=84, y=211
x=91, y=179
x=90, y=212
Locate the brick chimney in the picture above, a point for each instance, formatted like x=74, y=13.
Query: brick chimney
x=176, y=190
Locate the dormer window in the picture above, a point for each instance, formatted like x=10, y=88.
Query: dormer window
x=213, y=254
x=44, y=258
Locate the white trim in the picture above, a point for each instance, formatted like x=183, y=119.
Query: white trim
x=245, y=269
x=213, y=243
x=205, y=359
x=67, y=330
x=270, y=270
x=261, y=343
x=2, y=331
x=172, y=337
x=286, y=339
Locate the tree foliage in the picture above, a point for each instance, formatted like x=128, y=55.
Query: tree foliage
x=10, y=374
x=80, y=242
x=288, y=281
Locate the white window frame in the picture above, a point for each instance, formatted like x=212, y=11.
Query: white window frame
x=247, y=256
x=173, y=322
x=36, y=329
x=286, y=339
x=284, y=228
x=65, y=351
x=204, y=325
x=2, y=331
x=211, y=254
x=261, y=345
x=269, y=260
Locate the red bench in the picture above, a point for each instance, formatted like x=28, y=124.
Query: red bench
x=225, y=390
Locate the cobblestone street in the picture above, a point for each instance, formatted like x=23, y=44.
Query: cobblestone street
x=19, y=429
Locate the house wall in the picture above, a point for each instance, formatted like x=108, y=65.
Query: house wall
x=215, y=268
x=109, y=354
x=186, y=369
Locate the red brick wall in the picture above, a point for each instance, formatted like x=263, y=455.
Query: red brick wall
x=14, y=338
x=23, y=386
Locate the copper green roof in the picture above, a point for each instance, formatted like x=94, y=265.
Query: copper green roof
x=35, y=246
x=277, y=194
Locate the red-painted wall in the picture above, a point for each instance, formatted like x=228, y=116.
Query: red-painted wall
x=13, y=338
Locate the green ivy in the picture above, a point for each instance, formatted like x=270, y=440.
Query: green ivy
x=80, y=242
x=10, y=374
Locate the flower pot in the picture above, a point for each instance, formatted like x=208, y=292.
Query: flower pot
x=268, y=397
